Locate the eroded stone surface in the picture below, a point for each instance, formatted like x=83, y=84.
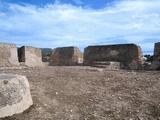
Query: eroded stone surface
x=31, y=56
x=8, y=55
x=156, y=57
x=15, y=94
x=66, y=56
x=108, y=65
x=129, y=55
x=157, y=51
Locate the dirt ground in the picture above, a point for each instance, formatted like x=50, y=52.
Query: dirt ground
x=84, y=93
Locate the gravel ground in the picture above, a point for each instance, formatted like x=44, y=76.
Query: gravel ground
x=85, y=93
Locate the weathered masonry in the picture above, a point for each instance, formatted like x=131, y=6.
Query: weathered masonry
x=31, y=56
x=129, y=55
x=156, y=57
x=15, y=94
x=66, y=56
x=157, y=52
x=8, y=55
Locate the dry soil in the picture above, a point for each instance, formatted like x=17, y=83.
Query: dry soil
x=84, y=93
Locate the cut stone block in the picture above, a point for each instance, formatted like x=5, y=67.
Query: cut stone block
x=129, y=55
x=155, y=65
x=109, y=65
x=8, y=55
x=156, y=57
x=31, y=56
x=46, y=54
x=66, y=56
x=15, y=94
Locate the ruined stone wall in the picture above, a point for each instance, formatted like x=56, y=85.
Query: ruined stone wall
x=157, y=52
x=31, y=56
x=66, y=56
x=21, y=54
x=129, y=55
x=8, y=55
x=156, y=57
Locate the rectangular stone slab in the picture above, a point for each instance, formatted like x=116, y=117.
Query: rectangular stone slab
x=123, y=53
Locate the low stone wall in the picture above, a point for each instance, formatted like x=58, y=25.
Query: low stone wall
x=8, y=55
x=66, y=56
x=129, y=55
x=31, y=56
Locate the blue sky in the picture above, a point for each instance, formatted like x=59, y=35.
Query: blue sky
x=96, y=4
x=55, y=23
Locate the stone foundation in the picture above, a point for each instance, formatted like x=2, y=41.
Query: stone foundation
x=109, y=65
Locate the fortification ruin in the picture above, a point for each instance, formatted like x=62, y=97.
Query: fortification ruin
x=8, y=55
x=31, y=56
x=156, y=57
x=156, y=52
x=66, y=56
x=129, y=55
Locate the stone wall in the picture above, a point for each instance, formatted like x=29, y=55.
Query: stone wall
x=31, y=56
x=157, y=52
x=129, y=55
x=156, y=57
x=8, y=55
x=66, y=56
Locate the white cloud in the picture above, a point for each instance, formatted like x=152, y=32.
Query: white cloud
x=62, y=24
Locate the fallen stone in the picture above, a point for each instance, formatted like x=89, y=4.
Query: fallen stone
x=15, y=94
x=108, y=65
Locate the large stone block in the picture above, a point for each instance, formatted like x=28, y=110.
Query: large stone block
x=129, y=55
x=8, y=55
x=108, y=65
x=15, y=94
x=31, y=56
x=156, y=57
x=66, y=56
